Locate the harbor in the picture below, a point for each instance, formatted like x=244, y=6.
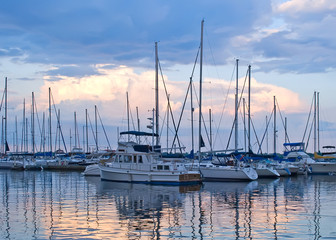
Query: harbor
x=168, y=120
x=61, y=205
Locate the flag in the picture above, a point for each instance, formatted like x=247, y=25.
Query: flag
x=202, y=142
x=7, y=147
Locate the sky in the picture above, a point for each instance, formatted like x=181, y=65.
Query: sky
x=91, y=53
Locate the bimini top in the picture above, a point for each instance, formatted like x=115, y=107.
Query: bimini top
x=294, y=144
x=139, y=133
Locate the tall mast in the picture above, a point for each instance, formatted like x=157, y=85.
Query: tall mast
x=236, y=107
x=87, y=134
x=266, y=135
x=244, y=119
x=249, y=110
x=157, y=94
x=50, y=140
x=167, y=123
x=16, y=136
x=138, y=122
x=33, y=124
x=200, y=98
x=318, y=121
x=128, y=120
x=75, y=130
x=24, y=125
x=192, y=116
x=96, y=128
x=59, y=128
x=275, y=131
x=6, y=116
x=315, y=121
x=210, y=120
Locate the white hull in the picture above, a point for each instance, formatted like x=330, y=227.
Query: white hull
x=155, y=177
x=322, y=167
x=267, y=172
x=92, y=170
x=212, y=172
x=11, y=165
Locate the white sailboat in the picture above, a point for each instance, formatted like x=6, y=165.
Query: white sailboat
x=208, y=170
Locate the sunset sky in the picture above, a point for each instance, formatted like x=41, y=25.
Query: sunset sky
x=93, y=52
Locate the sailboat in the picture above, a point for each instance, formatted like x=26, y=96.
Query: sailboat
x=209, y=170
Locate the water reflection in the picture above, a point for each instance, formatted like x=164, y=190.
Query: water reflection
x=56, y=205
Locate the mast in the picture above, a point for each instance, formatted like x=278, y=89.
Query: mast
x=315, y=122
x=50, y=142
x=128, y=120
x=157, y=95
x=192, y=116
x=16, y=136
x=6, y=144
x=274, y=126
x=210, y=120
x=87, y=134
x=244, y=119
x=138, y=122
x=236, y=108
x=59, y=128
x=200, y=98
x=168, y=122
x=33, y=124
x=96, y=128
x=249, y=110
x=75, y=130
x=318, y=121
x=266, y=135
x=24, y=125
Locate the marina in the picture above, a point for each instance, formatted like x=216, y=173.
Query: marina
x=68, y=205
x=168, y=120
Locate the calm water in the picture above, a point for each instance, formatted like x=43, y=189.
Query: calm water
x=67, y=205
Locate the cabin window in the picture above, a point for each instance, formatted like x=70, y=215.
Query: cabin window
x=120, y=158
x=128, y=159
x=134, y=159
x=140, y=159
x=166, y=167
x=159, y=167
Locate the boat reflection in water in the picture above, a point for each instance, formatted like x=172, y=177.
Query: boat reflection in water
x=67, y=205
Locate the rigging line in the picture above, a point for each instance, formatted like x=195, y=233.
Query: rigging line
x=93, y=134
x=172, y=116
x=101, y=122
x=38, y=120
x=163, y=120
x=190, y=82
x=180, y=118
x=283, y=123
x=267, y=124
x=58, y=122
x=255, y=134
x=202, y=117
x=311, y=129
x=305, y=131
x=241, y=95
x=2, y=100
x=224, y=105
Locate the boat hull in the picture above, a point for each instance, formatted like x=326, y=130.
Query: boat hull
x=323, y=168
x=92, y=170
x=222, y=173
x=267, y=172
x=129, y=175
